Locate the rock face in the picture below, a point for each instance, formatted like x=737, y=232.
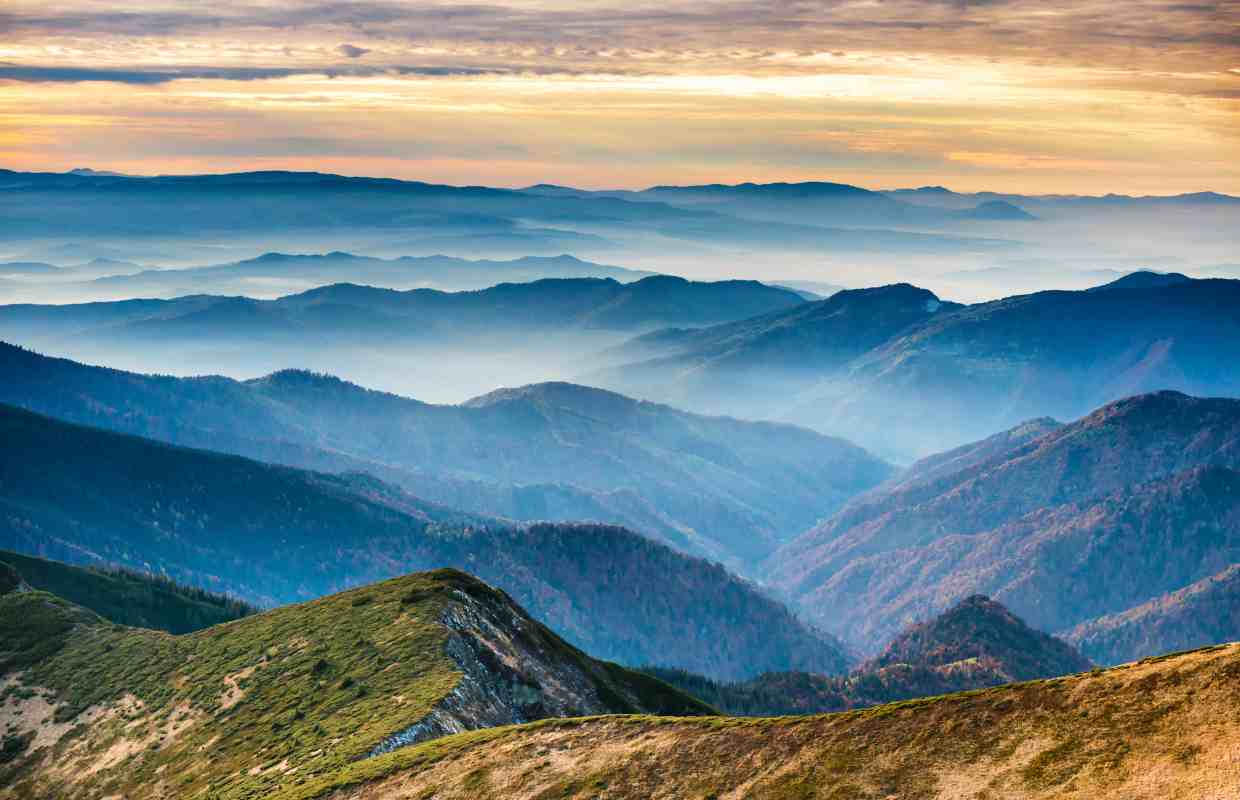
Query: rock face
x=513, y=670
x=264, y=703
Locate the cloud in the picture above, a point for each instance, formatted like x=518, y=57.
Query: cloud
x=1045, y=30
x=352, y=51
x=36, y=74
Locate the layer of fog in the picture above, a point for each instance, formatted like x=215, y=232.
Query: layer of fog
x=1066, y=248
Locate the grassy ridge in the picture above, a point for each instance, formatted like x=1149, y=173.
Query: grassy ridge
x=281, y=699
x=321, y=684
x=1147, y=731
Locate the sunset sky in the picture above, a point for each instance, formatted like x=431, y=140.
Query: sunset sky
x=1015, y=95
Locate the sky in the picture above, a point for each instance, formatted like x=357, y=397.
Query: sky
x=1035, y=96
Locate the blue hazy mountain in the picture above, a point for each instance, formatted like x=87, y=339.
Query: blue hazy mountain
x=907, y=375
x=719, y=487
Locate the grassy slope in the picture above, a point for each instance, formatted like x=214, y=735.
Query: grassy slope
x=1157, y=729
x=236, y=711
x=128, y=598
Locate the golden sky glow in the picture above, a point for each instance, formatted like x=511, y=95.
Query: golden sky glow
x=1140, y=97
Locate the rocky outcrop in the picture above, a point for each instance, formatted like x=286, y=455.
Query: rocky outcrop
x=514, y=670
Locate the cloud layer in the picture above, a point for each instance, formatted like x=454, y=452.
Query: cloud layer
x=1069, y=96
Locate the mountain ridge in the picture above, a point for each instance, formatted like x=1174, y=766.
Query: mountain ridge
x=337, y=680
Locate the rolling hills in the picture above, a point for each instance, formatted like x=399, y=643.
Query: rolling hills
x=276, y=274
x=352, y=310
x=272, y=534
x=1089, y=519
x=268, y=702
x=721, y=488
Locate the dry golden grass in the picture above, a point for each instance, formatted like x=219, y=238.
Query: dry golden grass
x=1161, y=729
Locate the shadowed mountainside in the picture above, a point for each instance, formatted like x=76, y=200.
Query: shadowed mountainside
x=973, y=645
x=128, y=597
x=275, y=534
x=1200, y=614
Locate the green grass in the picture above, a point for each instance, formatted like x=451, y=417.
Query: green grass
x=321, y=683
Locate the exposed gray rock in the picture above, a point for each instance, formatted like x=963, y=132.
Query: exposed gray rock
x=511, y=672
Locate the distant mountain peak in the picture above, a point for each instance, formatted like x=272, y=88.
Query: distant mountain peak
x=999, y=210
x=1144, y=279
x=88, y=172
x=547, y=390
x=901, y=293
x=979, y=628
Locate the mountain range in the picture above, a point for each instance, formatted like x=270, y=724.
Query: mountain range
x=413, y=217
x=272, y=275
x=269, y=535
x=292, y=695
x=1066, y=524
x=907, y=375
x=440, y=346
x=718, y=487
x=349, y=311
x=809, y=202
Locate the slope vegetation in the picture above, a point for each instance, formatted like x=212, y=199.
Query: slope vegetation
x=1202, y=613
x=271, y=701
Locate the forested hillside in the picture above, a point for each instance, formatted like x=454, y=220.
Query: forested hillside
x=128, y=597
x=274, y=535
x=1138, y=499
